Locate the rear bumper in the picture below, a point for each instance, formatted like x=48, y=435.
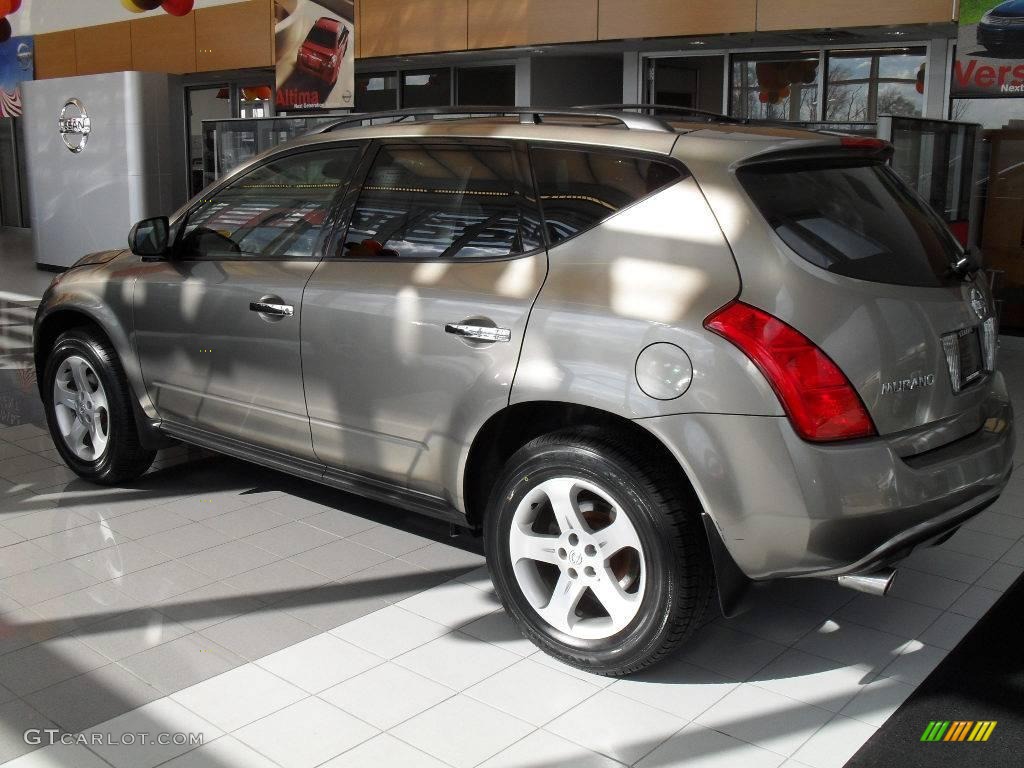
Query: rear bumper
x=785, y=507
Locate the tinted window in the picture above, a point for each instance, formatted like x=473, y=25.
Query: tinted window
x=438, y=202
x=274, y=211
x=579, y=189
x=857, y=220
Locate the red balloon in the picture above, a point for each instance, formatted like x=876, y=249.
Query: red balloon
x=178, y=7
x=15, y=5
x=6, y=7
x=5, y=30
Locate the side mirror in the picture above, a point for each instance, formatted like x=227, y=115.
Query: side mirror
x=150, y=238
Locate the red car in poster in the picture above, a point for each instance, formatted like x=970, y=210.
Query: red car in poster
x=323, y=51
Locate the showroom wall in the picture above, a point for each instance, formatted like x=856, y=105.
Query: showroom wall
x=239, y=35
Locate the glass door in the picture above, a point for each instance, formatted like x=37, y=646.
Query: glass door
x=12, y=199
x=203, y=103
x=695, y=82
x=1002, y=234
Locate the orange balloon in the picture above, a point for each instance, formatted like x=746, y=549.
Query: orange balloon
x=6, y=8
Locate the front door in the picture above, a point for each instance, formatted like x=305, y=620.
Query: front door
x=412, y=326
x=217, y=325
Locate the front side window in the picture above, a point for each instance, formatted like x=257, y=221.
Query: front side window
x=865, y=84
x=581, y=188
x=777, y=86
x=276, y=211
x=422, y=201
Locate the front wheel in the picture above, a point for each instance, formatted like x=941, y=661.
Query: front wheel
x=596, y=554
x=89, y=411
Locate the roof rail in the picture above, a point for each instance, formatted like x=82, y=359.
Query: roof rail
x=714, y=117
x=535, y=115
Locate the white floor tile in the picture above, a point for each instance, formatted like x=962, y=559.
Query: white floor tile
x=305, y=734
x=238, y=697
x=387, y=695
x=462, y=732
x=390, y=631
x=975, y=602
x=384, y=751
x=835, y=743
x=698, y=747
x=737, y=655
x=541, y=748
x=497, y=628
x=613, y=725
x=676, y=687
x=813, y=679
x=850, y=643
x=914, y=663
x=1001, y=576
x=58, y=756
x=764, y=718
x=457, y=660
x=878, y=700
x=926, y=588
x=320, y=662
x=948, y=630
x=779, y=622
x=452, y=604
x=225, y=752
x=160, y=716
x=888, y=614
x=532, y=692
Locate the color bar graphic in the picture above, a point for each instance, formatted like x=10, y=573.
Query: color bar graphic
x=958, y=730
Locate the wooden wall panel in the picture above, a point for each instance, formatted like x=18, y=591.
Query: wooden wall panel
x=55, y=55
x=391, y=27
x=164, y=43
x=665, y=18
x=504, y=23
x=235, y=36
x=104, y=48
x=799, y=14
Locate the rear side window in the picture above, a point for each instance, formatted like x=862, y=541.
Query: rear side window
x=857, y=219
x=580, y=188
x=424, y=201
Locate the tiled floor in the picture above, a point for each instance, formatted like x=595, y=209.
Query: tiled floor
x=295, y=626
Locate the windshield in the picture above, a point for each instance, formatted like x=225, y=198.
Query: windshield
x=856, y=219
x=320, y=36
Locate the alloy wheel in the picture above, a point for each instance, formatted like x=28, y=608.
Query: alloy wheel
x=577, y=558
x=80, y=406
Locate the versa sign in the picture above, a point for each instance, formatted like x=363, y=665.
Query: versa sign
x=989, y=50
x=970, y=75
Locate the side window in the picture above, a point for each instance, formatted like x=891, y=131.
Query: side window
x=275, y=211
x=581, y=188
x=423, y=201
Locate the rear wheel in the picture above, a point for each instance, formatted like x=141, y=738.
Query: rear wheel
x=596, y=556
x=89, y=411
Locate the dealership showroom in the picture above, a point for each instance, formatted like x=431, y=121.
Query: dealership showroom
x=511, y=383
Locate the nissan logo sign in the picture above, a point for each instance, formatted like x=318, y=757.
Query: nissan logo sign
x=74, y=125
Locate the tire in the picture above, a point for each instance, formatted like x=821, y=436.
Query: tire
x=111, y=453
x=658, y=579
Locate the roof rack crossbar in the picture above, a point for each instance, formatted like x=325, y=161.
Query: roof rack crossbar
x=716, y=117
x=632, y=121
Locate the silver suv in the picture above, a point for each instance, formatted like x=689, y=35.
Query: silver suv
x=652, y=360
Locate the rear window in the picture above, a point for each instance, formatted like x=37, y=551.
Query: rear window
x=856, y=219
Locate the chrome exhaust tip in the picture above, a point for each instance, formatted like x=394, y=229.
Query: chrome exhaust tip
x=875, y=583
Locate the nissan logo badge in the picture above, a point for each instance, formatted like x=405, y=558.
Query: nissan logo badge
x=74, y=125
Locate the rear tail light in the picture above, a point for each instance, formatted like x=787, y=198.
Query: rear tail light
x=821, y=403
x=863, y=142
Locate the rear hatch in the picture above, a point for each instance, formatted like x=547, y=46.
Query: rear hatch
x=858, y=263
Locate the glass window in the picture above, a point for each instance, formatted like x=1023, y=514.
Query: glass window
x=855, y=219
x=487, y=86
x=427, y=88
x=442, y=202
x=865, y=84
x=775, y=86
x=377, y=92
x=273, y=212
x=579, y=188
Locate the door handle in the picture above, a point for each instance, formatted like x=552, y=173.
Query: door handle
x=266, y=308
x=479, y=332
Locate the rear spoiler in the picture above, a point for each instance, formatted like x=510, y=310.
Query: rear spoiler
x=828, y=147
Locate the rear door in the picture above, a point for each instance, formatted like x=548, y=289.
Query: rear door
x=866, y=273
x=412, y=326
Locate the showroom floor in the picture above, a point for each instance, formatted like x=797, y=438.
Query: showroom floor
x=295, y=626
